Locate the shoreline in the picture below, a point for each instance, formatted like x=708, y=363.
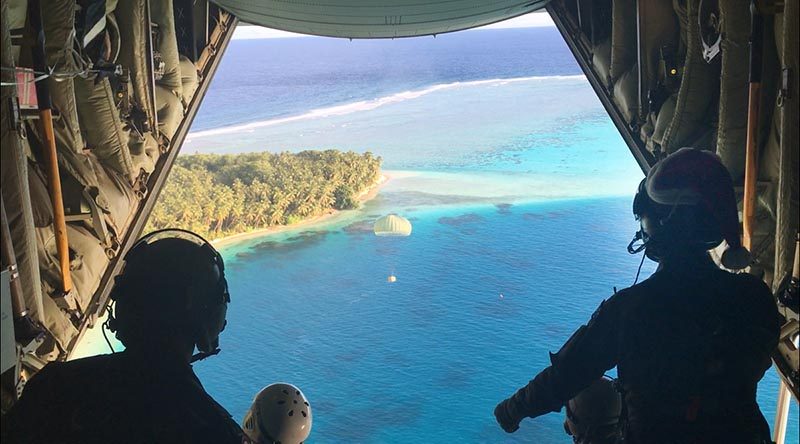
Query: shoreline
x=362, y=197
x=480, y=188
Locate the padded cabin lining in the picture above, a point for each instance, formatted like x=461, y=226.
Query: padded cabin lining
x=58, y=21
x=732, y=127
x=189, y=80
x=706, y=104
x=788, y=118
x=100, y=156
x=132, y=20
x=169, y=89
x=695, y=96
x=14, y=181
x=105, y=133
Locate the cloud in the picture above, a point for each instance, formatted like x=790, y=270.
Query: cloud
x=249, y=32
x=533, y=20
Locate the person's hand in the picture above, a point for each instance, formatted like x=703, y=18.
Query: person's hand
x=501, y=414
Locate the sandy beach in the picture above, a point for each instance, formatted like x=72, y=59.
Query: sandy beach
x=329, y=216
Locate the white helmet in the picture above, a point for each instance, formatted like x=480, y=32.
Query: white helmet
x=280, y=414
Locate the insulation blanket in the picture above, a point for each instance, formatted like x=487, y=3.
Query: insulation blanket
x=732, y=129
x=787, y=191
x=58, y=21
x=693, y=104
x=14, y=186
x=105, y=133
x=131, y=17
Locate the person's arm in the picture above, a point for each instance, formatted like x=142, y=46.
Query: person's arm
x=765, y=322
x=591, y=351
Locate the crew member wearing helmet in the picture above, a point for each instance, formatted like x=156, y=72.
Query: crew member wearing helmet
x=691, y=342
x=280, y=414
x=593, y=414
x=171, y=299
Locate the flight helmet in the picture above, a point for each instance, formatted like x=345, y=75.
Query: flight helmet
x=687, y=201
x=173, y=281
x=280, y=414
x=594, y=413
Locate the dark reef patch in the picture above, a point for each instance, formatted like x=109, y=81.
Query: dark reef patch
x=499, y=308
x=547, y=215
x=533, y=216
x=351, y=356
x=266, y=246
x=360, y=227
x=413, y=199
x=372, y=419
x=455, y=376
x=503, y=208
x=305, y=237
x=302, y=240
x=244, y=255
x=457, y=221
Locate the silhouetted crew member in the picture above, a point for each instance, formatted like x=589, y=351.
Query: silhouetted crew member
x=170, y=298
x=593, y=415
x=691, y=342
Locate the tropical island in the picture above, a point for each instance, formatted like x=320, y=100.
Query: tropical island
x=223, y=195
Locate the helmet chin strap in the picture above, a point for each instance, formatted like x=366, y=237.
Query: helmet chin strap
x=199, y=356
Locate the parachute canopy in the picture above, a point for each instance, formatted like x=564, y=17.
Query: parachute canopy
x=392, y=225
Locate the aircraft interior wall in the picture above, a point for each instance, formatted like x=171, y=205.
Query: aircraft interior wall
x=124, y=79
x=675, y=74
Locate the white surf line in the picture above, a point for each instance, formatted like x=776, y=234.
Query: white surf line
x=368, y=105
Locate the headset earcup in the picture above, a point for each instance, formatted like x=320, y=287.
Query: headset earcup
x=209, y=320
x=111, y=322
x=210, y=328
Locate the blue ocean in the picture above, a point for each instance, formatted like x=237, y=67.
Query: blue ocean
x=519, y=190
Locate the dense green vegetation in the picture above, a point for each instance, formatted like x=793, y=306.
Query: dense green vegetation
x=217, y=195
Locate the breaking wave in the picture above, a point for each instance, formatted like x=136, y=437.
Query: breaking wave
x=368, y=105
